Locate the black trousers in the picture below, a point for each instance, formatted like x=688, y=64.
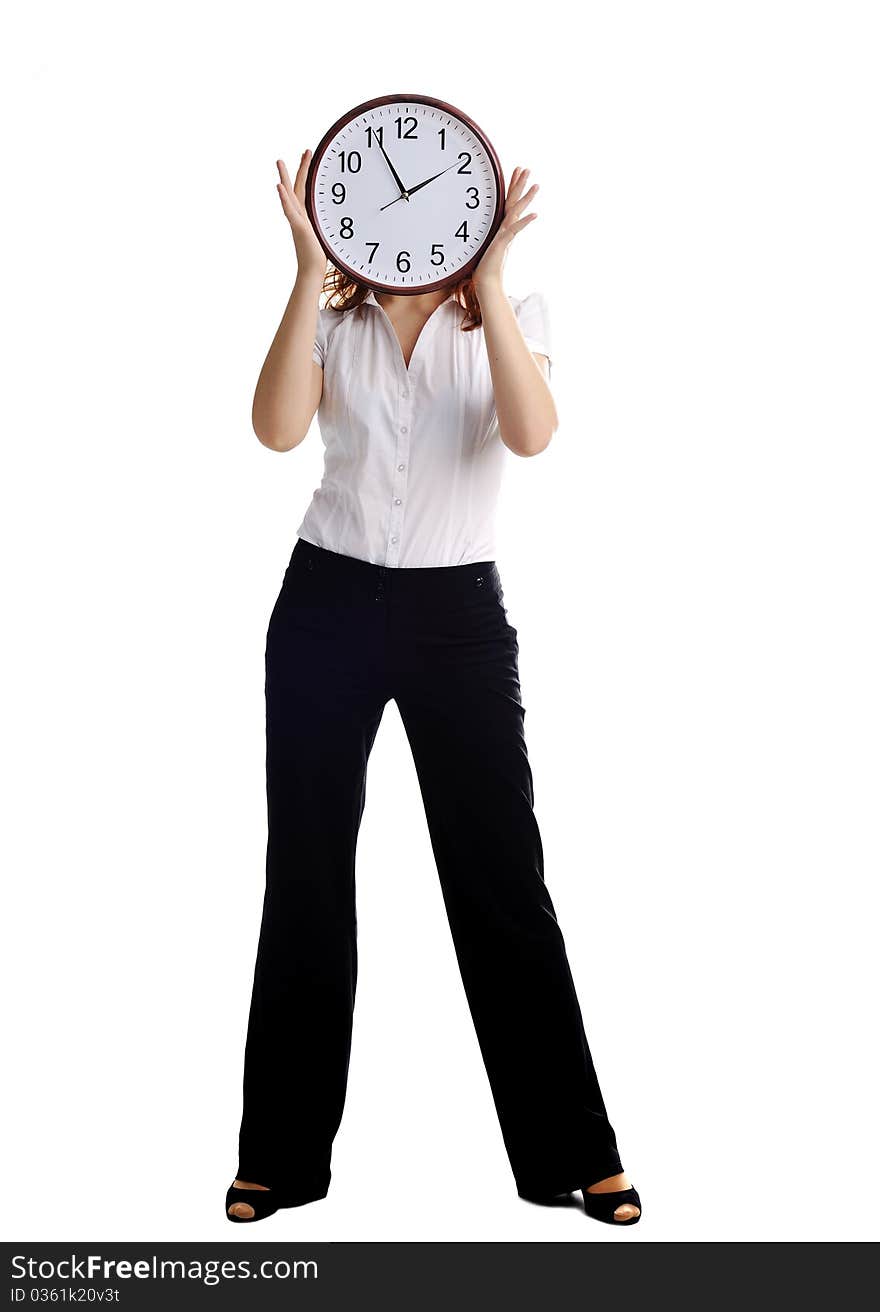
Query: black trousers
x=345, y=637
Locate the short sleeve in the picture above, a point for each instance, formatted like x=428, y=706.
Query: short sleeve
x=533, y=316
x=319, y=350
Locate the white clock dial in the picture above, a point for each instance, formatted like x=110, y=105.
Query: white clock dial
x=405, y=194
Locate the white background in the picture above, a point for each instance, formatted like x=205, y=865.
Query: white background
x=691, y=566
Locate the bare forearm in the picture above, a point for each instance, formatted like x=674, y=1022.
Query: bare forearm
x=524, y=404
x=289, y=387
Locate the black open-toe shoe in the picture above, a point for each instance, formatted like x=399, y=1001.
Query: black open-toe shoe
x=601, y=1207
x=263, y=1201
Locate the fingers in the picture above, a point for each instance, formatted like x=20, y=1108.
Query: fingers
x=298, y=186
x=284, y=197
x=517, y=182
x=517, y=199
x=301, y=174
x=522, y=223
x=294, y=212
x=293, y=194
x=513, y=212
x=284, y=175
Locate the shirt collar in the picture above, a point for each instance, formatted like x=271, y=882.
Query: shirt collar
x=370, y=299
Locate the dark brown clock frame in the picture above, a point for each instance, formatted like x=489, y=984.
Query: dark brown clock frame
x=446, y=108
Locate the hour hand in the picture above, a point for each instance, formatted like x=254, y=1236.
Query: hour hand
x=419, y=185
x=394, y=173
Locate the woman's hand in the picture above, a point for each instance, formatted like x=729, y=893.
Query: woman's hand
x=310, y=257
x=491, y=265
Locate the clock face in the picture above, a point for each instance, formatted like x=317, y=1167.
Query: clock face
x=405, y=193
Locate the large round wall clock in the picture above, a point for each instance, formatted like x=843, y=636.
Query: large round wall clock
x=405, y=192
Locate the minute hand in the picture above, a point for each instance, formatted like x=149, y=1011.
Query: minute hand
x=404, y=195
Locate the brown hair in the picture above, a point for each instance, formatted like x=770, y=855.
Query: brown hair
x=345, y=292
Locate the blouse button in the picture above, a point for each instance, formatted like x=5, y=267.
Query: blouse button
x=403, y=428
x=397, y=501
x=401, y=466
x=394, y=539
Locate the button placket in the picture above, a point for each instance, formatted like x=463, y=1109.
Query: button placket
x=400, y=469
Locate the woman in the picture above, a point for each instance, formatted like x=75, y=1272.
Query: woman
x=392, y=592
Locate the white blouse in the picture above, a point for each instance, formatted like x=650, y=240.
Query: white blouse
x=414, y=460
